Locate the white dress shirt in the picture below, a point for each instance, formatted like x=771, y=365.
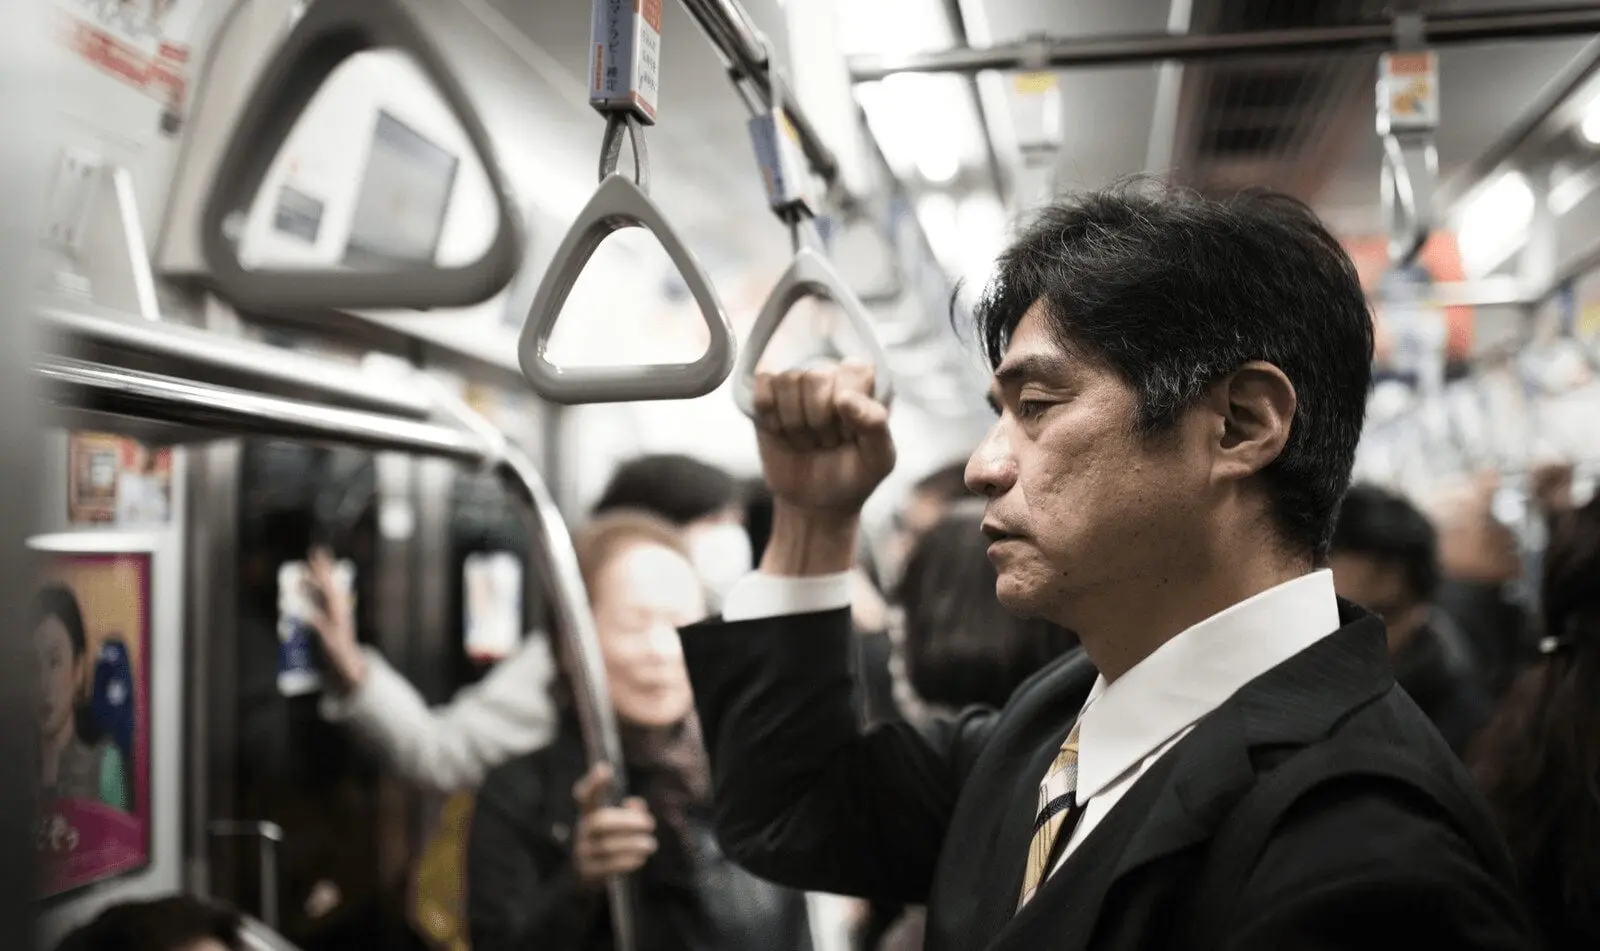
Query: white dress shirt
x=1127, y=725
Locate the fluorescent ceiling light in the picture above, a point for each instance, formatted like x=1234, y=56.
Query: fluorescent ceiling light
x=937, y=213
x=1590, y=127
x=938, y=166
x=1495, y=223
x=892, y=27
x=924, y=123
x=981, y=221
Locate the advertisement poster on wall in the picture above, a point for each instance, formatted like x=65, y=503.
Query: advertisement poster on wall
x=91, y=638
x=143, y=43
x=114, y=480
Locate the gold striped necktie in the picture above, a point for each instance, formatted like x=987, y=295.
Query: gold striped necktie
x=1057, y=801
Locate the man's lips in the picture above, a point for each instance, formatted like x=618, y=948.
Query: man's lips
x=999, y=533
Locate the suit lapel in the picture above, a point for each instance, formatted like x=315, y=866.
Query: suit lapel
x=1063, y=915
x=1014, y=762
x=1179, y=802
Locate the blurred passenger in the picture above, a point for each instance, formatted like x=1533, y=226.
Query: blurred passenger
x=757, y=516
x=702, y=500
x=1385, y=558
x=1539, y=759
x=544, y=842
x=929, y=498
x=509, y=712
x=1480, y=564
x=179, y=923
x=955, y=647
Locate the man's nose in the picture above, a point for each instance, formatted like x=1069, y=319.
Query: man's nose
x=992, y=470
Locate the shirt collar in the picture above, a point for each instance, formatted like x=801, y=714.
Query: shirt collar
x=1195, y=672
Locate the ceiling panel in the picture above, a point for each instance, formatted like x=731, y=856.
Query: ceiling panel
x=1305, y=125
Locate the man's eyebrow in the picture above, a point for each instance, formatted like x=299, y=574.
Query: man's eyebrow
x=1032, y=366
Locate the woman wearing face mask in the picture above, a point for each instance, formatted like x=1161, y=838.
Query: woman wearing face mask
x=509, y=712
x=543, y=843
x=706, y=503
x=75, y=762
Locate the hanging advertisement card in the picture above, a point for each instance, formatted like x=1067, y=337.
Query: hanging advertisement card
x=298, y=670
x=116, y=480
x=493, y=605
x=91, y=637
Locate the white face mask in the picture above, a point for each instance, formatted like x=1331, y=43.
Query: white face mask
x=721, y=555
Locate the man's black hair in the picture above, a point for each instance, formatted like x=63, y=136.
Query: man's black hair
x=679, y=488
x=167, y=924
x=1174, y=290
x=1382, y=525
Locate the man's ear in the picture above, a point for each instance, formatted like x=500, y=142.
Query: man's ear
x=1254, y=409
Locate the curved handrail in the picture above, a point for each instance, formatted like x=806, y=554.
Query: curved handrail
x=1408, y=114
x=329, y=33
x=809, y=274
x=621, y=203
x=1410, y=173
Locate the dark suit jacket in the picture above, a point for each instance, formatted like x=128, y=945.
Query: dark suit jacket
x=943, y=816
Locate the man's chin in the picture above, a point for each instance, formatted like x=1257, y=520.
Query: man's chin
x=1018, y=597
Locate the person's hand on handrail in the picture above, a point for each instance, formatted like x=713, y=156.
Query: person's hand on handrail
x=334, y=621
x=825, y=446
x=610, y=840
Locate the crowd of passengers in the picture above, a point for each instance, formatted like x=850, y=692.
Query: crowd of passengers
x=932, y=639
x=1509, y=682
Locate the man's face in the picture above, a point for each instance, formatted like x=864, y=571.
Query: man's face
x=1080, y=504
x=1379, y=585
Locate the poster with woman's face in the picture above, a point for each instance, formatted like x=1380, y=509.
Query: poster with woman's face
x=90, y=625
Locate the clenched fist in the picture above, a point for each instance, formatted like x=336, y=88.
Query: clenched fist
x=825, y=443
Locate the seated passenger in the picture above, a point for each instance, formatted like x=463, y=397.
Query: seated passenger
x=179, y=923
x=1385, y=558
x=509, y=712
x=544, y=844
x=1539, y=759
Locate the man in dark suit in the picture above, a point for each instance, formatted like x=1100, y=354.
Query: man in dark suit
x=1180, y=383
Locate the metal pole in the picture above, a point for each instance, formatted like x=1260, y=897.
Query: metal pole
x=743, y=49
x=76, y=384
x=225, y=411
x=1127, y=49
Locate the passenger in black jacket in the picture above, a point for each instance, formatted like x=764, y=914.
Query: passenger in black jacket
x=543, y=844
x=1180, y=383
x=1385, y=558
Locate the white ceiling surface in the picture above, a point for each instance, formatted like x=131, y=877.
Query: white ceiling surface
x=1108, y=112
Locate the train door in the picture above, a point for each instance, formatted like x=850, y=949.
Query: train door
x=303, y=827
